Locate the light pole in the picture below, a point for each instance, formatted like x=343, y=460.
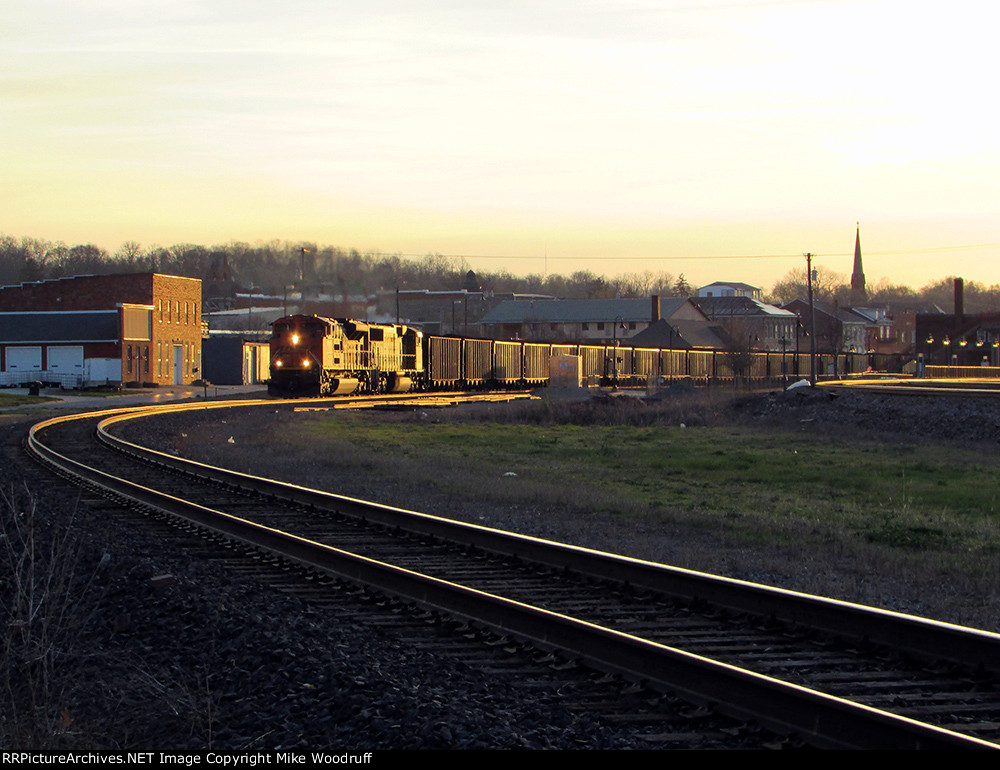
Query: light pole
x=614, y=343
x=812, y=321
x=784, y=364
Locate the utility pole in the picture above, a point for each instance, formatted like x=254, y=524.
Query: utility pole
x=812, y=321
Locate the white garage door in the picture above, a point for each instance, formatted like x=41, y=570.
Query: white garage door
x=65, y=359
x=26, y=359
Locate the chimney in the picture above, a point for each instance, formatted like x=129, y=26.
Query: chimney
x=959, y=302
x=656, y=308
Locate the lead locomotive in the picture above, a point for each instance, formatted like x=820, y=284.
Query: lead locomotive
x=316, y=356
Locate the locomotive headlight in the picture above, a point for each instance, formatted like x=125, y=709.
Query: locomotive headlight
x=278, y=363
x=305, y=363
x=295, y=339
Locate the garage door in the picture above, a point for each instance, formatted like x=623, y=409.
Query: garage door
x=24, y=359
x=65, y=359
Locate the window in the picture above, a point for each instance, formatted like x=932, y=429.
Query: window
x=585, y=327
x=128, y=360
x=600, y=326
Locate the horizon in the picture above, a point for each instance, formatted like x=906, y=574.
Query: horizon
x=720, y=140
x=292, y=246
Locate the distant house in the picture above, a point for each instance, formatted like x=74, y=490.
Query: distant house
x=587, y=320
x=681, y=334
x=847, y=330
x=958, y=339
x=729, y=289
x=750, y=322
x=457, y=311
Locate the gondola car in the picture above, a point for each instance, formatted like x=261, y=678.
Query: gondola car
x=317, y=356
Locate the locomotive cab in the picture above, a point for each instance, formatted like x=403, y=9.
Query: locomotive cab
x=302, y=351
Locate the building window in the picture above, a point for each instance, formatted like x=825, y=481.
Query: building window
x=585, y=327
x=161, y=310
x=145, y=359
x=600, y=326
x=128, y=360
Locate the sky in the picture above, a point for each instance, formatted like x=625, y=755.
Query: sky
x=721, y=140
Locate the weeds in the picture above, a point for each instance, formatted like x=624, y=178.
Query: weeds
x=45, y=602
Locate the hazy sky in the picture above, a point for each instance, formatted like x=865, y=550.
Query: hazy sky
x=602, y=135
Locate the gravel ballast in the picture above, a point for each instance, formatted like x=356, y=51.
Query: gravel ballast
x=207, y=659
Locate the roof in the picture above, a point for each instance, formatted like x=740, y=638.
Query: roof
x=679, y=335
x=67, y=326
x=733, y=285
x=729, y=307
x=579, y=310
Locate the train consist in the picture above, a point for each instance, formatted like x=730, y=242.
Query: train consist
x=316, y=356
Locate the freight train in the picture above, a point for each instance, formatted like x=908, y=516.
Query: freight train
x=317, y=356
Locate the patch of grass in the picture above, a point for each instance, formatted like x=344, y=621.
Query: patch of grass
x=774, y=485
x=16, y=399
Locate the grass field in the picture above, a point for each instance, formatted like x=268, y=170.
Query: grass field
x=824, y=502
x=763, y=485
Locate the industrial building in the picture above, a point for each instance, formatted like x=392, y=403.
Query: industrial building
x=101, y=329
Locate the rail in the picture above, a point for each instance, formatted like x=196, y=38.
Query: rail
x=831, y=721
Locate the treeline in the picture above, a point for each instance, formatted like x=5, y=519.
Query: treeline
x=830, y=288
x=273, y=266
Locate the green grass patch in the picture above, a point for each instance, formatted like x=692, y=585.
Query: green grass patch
x=761, y=484
x=16, y=399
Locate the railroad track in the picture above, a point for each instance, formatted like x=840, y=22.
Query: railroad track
x=832, y=673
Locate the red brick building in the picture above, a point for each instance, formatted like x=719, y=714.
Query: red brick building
x=138, y=327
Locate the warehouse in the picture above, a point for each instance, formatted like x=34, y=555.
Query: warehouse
x=108, y=329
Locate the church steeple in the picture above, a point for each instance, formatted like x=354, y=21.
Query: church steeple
x=859, y=296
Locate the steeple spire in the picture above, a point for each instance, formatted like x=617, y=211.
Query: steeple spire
x=859, y=296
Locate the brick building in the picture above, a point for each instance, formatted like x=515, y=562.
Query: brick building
x=137, y=327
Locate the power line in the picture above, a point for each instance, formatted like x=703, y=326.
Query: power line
x=706, y=257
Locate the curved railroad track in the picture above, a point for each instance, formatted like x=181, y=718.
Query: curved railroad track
x=832, y=673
